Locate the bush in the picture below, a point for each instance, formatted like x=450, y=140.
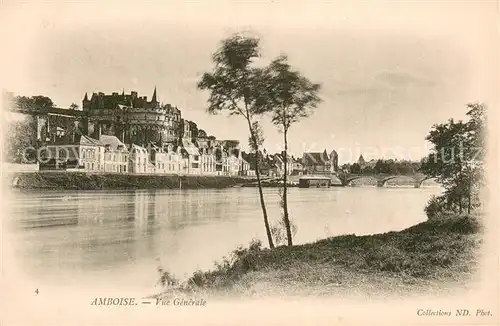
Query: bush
x=278, y=231
x=436, y=208
x=166, y=278
x=240, y=261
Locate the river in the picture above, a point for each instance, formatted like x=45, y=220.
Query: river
x=120, y=237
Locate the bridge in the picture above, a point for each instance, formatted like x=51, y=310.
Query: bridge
x=381, y=179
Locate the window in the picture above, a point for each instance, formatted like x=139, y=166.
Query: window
x=62, y=153
x=196, y=158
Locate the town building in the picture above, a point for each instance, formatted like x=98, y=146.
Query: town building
x=208, y=161
x=233, y=164
x=366, y=164
x=165, y=161
x=297, y=166
x=84, y=154
x=279, y=162
x=139, y=160
x=320, y=162
x=245, y=168
x=116, y=154
x=361, y=161
x=191, y=156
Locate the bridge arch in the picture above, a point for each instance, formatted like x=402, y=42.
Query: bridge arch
x=382, y=181
x=418, y=183
x=348, y=180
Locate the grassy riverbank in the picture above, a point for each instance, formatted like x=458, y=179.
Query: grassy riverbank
x=95, y=181
x=421, y=258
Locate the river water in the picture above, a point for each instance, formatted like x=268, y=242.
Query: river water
x=121, y=237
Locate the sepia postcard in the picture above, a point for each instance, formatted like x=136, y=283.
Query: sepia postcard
x=249, y=162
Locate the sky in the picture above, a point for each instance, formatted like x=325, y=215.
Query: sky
x=388, y=70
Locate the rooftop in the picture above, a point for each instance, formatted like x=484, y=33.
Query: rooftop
x=112, y=141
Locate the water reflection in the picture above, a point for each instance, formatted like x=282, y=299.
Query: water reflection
x=119, y=235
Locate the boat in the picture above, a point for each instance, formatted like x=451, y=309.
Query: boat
x=315, y=182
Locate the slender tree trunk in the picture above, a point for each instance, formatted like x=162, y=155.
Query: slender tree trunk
x=261, y=195
x=460, y=204
x=285, y=195
x=469, y=204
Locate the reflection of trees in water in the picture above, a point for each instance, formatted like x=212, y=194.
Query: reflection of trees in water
x=102, y=208
x=179, y=208
x=47, y=212
x=145, y=211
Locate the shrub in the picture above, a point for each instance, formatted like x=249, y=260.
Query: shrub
x=436, y=208
x=278, y=231
x=166, y=278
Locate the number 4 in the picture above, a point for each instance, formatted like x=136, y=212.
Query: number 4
x=36, y=291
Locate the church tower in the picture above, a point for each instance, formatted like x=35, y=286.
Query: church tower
x=154, y=99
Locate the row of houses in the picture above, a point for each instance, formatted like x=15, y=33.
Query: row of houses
x=310, y=163
x=109, y=154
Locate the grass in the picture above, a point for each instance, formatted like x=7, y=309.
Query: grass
x=419, y=259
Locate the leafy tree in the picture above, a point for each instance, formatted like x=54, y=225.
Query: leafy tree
x=237, y=87
x=42, y=101
x=355, y=168
x=367, y=170
x=257, y=140
x=23, y=101
x=345, y=167
x=34, y=102
x=74, y=106
x=291, y=97
x=202, y=133
x=19, y=146
x=193, y=128
x=457, y=158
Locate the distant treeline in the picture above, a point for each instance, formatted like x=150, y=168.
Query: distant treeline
x=383, y=166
